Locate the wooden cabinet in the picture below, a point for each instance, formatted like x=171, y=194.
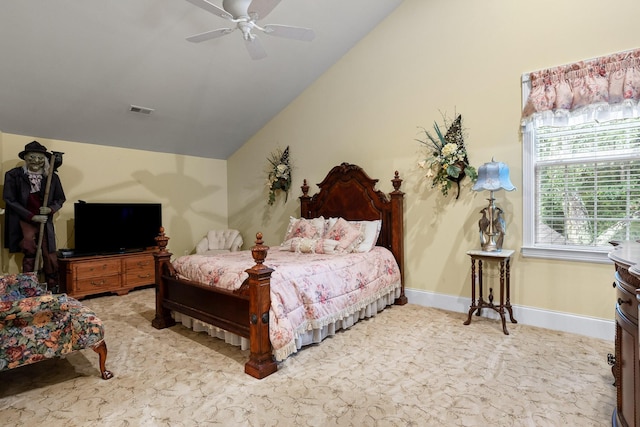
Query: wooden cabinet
x=90, y=275
x=626, y=368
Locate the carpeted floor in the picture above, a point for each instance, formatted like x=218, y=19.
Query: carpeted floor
x=408, y=366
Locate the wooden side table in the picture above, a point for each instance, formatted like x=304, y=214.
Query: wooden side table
x=504, y=258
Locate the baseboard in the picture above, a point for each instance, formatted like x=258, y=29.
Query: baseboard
x=558, y=321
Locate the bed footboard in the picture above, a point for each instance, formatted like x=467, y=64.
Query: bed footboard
x=244, y=312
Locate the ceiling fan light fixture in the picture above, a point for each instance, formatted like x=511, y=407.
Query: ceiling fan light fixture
x=237, y=8
x=244, y=14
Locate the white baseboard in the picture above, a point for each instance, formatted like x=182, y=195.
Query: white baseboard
x=565, y=322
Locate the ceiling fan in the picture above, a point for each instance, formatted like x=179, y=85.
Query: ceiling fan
x=245, y=14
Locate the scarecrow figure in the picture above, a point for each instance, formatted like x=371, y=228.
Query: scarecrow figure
x=29, y=217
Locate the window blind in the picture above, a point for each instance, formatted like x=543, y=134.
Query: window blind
x=587, y=183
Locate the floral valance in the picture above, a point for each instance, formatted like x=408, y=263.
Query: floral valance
x=595, y=87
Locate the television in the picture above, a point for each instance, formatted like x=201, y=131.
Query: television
x=108, y=228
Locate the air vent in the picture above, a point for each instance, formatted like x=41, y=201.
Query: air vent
x=141, y=110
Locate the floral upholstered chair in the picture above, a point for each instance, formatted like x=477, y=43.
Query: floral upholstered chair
x=36, y=325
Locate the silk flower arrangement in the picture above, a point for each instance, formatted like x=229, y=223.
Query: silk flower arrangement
x=447, y=162
x=278, y=174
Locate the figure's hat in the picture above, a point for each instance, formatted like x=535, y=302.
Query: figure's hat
x=34, y=147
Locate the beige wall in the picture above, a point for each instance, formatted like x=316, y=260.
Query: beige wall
x=192, y=190
x=429, y=57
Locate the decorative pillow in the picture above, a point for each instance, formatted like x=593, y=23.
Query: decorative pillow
x=328, y=223
x=310, y=246
x=370, y=231
x=302, y=227
x=348, y=236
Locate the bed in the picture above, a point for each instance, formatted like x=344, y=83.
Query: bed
x=239, y=299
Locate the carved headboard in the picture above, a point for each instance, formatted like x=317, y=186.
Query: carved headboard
x=348, y=192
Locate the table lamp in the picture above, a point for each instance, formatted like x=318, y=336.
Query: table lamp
x=492, y=176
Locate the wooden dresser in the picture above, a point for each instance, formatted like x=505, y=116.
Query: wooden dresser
x=90, y=275
x=626, y=367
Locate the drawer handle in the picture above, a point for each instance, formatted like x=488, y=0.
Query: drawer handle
x=144, y=276
x=621, y=301
x=613, y=284
x=143, y=263
x=100, y=283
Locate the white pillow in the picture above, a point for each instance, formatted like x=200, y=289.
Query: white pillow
x=370, y=231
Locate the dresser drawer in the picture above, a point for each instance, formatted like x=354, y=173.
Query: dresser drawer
x=626, y=300
x=97, y=284
x=139, y=278
x=97, y=268
x=139, y=263
x=139, y=270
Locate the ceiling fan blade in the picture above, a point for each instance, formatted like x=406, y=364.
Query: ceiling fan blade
x=208, y=35
x=262, y=8
x=209, y=7
x=255, y=49
x=297, y=33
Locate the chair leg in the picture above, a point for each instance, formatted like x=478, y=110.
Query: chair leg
x=101, y=349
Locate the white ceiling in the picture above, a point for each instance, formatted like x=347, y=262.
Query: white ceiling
x=70, y=69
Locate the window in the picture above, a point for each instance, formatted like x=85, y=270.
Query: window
x=581, y=185
x=581, y=162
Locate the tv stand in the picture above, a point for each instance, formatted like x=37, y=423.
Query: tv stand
x=82, y=276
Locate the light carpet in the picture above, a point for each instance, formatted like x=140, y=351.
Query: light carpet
x=407, y=366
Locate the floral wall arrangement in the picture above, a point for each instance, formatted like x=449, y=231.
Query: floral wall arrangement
x=447, y=161
x=278, y=174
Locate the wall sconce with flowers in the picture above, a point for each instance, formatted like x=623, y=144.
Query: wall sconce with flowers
x=447, y=162
x=278, y=174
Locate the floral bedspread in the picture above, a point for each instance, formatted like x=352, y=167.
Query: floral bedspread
x=308, y=291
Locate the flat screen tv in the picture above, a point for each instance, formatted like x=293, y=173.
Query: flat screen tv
x=106, y=228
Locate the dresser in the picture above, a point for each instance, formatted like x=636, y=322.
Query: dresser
x=90, y=275
x=626, y=365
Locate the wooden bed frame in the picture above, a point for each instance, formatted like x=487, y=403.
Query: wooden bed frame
x=347, y=192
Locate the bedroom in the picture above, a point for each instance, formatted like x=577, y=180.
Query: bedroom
x=432, y=57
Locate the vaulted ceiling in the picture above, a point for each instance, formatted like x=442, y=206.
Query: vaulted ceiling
x=72, y=69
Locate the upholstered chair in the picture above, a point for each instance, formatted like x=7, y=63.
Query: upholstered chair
x=36, y=325
x=219, y=241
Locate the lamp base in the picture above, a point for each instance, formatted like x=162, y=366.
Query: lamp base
x=492, y=227
x=490, y=247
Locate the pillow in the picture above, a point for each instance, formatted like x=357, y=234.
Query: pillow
x=329, y=222
x=302, y=227
x=370, y=231
x=310, y=246
x=348, y=236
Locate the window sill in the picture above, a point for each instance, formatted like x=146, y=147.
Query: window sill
x=567, y=254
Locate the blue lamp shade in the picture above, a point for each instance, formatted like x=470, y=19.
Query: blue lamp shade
x=493, y=176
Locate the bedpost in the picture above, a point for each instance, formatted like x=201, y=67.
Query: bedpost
x=163, y=317
x=397, y=237
x=261, y=363
x=304, y=200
